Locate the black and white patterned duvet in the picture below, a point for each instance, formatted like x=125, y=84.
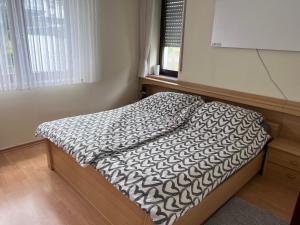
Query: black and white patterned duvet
x=87, y=137
x=166, y=152
x=171, y=174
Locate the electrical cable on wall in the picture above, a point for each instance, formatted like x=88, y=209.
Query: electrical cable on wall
x=270, y=76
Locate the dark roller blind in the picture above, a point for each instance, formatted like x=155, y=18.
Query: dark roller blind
x=172, y=19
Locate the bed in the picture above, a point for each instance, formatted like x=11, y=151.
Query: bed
x=108, y=192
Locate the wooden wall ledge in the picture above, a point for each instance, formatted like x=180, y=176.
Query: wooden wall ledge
x=275, y=104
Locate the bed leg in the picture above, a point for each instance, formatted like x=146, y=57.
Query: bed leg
x=49, y=155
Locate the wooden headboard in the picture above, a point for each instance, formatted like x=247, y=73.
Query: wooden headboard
x=282, y=116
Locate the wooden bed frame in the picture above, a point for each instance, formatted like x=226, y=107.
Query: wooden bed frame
x=117, y=209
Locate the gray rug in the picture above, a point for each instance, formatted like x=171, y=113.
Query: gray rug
x=239, y=212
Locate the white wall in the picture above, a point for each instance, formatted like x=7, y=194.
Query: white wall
x=22, y=111
x=237, y=69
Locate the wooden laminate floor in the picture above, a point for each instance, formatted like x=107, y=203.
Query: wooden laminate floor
x=32, y=194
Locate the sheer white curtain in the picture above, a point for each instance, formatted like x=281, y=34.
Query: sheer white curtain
x=147, y=13
x=48, y=43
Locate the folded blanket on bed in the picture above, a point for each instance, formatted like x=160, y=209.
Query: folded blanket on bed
x=171, y=174
x=87, y=137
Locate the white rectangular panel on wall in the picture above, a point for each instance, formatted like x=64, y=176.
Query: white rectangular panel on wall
x=258, y=24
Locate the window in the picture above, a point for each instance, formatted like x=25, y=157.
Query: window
x=171, y=35
x=47, y=43
x=45, y=32
x=6, y=52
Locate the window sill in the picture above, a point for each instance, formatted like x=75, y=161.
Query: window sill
x=163, y=77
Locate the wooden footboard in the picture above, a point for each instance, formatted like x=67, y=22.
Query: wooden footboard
x=119, y=210
x=91, y=185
